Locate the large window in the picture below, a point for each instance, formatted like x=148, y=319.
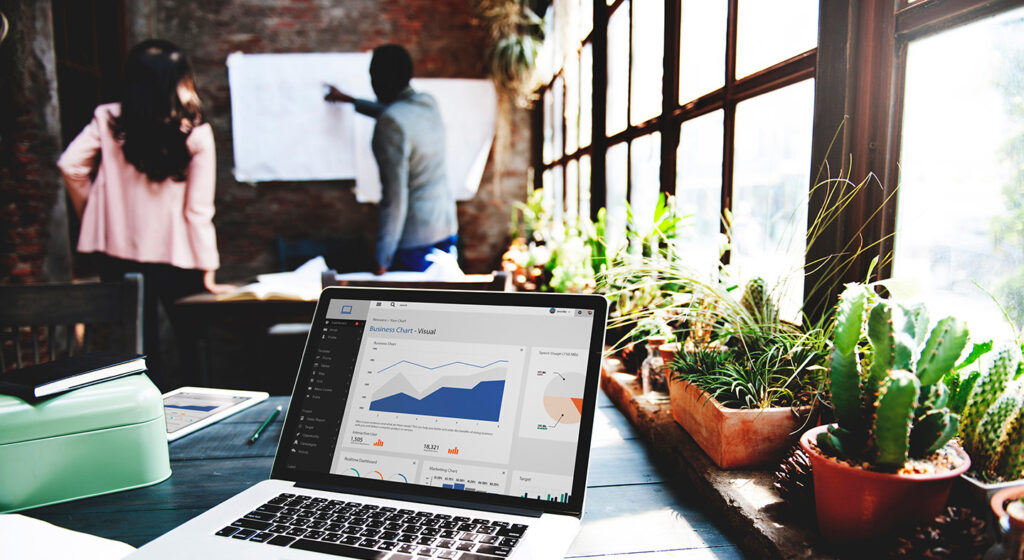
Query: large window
x=700, y=101
x=735, y=108
x=959, y=233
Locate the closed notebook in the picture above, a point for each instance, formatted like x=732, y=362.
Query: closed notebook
x=60, y=376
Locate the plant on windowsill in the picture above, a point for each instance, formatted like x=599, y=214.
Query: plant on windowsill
x=992, y=426
x=889, y=461
x=745, y=382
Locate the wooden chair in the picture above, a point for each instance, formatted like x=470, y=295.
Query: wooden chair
x=47, y=317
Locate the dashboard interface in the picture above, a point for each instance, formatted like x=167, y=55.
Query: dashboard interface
x=479, y=398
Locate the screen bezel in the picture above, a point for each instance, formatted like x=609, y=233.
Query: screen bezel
x=596, y=303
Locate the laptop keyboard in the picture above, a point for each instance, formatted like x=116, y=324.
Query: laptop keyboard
x=372, y=532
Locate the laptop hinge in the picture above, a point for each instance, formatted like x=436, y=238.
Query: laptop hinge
x=425, y=500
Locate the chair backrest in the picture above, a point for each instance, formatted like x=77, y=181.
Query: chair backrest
x=498, y=281
x=47, y=317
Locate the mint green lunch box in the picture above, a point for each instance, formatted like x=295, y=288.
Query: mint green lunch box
x=94, y=440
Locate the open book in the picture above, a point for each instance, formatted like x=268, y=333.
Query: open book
x=302, y=284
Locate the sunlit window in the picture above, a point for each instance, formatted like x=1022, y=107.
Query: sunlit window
x=699, y=190
x=572, y=191
x=572, y=104
x=586, y=94
x=770, y=185
x=645, y=173
x=617, y=177
x=701, y=48
x=648, y=61
x=585, y=186
x=770, y=32
x=558, y=95
x=618, y=69
x=548, y=149
x=959, y=233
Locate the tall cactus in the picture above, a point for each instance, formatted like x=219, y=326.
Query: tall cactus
x=991, y=432
x=1011, y=461
x=894, y=417
x=896, y=408
x=986, y=391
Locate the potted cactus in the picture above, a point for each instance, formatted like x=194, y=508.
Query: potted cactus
x=889, y=461
x=992, y=429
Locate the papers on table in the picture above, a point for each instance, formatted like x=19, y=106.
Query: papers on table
x=303, y=283
x=25, y=537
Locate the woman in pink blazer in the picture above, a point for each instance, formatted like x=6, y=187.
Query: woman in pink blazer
x=141, y=177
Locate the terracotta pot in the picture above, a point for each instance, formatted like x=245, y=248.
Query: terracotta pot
x=854, y=504
x=668, y=352
x=734, y=438
x=1011, y=523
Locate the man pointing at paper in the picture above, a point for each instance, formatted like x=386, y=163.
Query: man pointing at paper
x=417, y=208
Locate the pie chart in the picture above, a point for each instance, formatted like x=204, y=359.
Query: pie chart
x=563, y=397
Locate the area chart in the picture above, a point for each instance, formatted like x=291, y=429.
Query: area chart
x=476, y=396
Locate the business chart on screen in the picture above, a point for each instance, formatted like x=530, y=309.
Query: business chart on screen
x=444, y=398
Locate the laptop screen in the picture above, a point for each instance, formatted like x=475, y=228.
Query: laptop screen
x=462, y=395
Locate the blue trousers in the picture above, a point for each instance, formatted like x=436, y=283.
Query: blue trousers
x=415, y=258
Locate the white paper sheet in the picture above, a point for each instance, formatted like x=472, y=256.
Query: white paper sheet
x=25, y=537
x=283, y=130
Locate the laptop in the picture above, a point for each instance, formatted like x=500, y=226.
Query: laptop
x=424, y=424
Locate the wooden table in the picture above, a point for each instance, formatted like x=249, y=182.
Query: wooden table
x=630, y=507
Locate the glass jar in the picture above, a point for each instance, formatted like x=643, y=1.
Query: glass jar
x=652, y=370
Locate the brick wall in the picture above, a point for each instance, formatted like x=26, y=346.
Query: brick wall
x=443, y=36
x=30, y=187
x=445, y=40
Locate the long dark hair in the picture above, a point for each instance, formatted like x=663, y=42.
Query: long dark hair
x=158, y=110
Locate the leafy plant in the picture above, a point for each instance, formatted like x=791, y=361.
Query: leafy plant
x=885, y=372
x=517, y=33
x=784, y=372
x=992, y=430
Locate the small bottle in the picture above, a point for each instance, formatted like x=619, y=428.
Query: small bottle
x=653, y=367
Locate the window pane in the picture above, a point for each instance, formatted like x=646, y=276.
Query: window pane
x=586, y=20
x=558, y=193
x=548, y=150
x=572, y=192
x=558, y=93
x=699, y=190
x=618, y=69
x=572, y=103
x=701, y=48
x=616, y=170
x=770, y=32
x=770, y=184
x=961, y=193
x=586, y=94
x=585, y=186
x=648, y=61
x=644, y=180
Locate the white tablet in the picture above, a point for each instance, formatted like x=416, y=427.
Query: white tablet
x=190, y=408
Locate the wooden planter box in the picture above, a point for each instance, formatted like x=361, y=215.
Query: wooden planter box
x=735, y=438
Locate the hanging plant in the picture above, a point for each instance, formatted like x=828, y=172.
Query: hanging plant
x=517, y=34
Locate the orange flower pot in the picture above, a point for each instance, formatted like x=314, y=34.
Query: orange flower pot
x=855, y=504
x=734, y=438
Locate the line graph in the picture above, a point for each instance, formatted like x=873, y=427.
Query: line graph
x=429, y=368
x=466, y=389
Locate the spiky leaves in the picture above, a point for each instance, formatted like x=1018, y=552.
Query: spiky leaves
x=893, y=419
x=991, y=434
x=845, y=363
x=985, y=393
x=944, y=347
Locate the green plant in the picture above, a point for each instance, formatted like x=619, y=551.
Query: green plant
x=884, y=374
x=785, y=373
x=516, y=37
x=992, y=431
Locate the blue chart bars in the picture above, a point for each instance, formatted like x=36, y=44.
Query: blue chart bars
x=476, y=396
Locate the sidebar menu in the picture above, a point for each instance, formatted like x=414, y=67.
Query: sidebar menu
x=324, y=393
